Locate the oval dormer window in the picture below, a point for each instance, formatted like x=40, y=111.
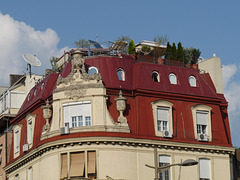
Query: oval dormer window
x=121, y=74
x=155, y=76
x=192, y=81
x=92, y=70
x=172, y=78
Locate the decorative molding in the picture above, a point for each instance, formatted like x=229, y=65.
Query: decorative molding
x=47, y=114
x=113, y=141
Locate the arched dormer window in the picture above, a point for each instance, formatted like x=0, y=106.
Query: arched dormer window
x=121, y=74
x=172, y=78
x=155, y=76
x=192, y=81
x=92, y=70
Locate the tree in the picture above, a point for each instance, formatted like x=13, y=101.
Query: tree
x=180, y=52
x=168, y=51
x=53, y=62
x=191, y=55
x=131, y=47
x=174, y=52
x=146, y=49
x=82, y=43
x=162, y=40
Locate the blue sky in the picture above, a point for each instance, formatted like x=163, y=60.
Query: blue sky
x=46, y=28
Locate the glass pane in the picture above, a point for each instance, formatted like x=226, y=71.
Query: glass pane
x=92, y=70
x=120, y=74
x=88, y=120
x=80, y=121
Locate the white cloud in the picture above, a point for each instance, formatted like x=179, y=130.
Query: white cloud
x=17, y=38
x=231, y=83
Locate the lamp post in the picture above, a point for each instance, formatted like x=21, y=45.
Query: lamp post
x=188, y=162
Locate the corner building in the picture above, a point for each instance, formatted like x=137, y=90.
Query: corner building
x=103, y=116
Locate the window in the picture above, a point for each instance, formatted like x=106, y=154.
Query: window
x=155, y=76
x=192, y=81
x=30, y=173
x=77, y=114
x=92, y=70
x=17, y=177
x=172, y=78
x=162, y=114
x=121, y=74
x=204, y=169
x=164, y=161
x=82, y=165
x=162, y=118
x=16, y=139
x=30, y=118
x=202, y=122
x=42, y=86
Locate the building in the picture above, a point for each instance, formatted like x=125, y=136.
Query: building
x=11, y=99
x=103, y=116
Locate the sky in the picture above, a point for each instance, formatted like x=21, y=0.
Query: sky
x=47, y=28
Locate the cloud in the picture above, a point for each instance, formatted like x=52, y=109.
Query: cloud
x=232, y=93
x=17, y=38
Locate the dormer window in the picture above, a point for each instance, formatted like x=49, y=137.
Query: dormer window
x=121, y=74
x=172, y=78
x=192, y=81
x=92, y=70
x=42, y=86
x=155, y=76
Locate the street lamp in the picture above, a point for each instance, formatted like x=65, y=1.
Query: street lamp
x=188, y=162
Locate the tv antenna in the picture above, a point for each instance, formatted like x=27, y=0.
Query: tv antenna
x=31, y=60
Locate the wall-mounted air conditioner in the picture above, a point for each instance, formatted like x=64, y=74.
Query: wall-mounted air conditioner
x=167, y=134
x=64, y=130
x=25, y=147
x=202, y=137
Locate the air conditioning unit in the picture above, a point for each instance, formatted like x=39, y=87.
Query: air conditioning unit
x=202, y=137
x=167, y=134
x=25, y=147
x=64, y=130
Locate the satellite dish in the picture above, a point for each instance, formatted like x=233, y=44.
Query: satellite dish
x=32, y=59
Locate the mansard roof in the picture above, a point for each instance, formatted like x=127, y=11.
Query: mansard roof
x=138, y=76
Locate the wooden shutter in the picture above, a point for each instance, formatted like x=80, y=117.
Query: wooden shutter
x=77, y=164
x=64, y=166
x=91, y=162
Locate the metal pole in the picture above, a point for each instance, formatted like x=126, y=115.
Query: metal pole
x=156, y=163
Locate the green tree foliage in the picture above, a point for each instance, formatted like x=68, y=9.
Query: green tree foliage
x=82, y=43
x=53, y=62
x=131, y=47
x=168, y=51
x=145, y=49
x=174, y=52
x=180, y=52
x=161, y=39
x=191, y=55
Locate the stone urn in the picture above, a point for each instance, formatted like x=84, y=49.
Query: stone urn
x=121, y=107
x=47, y=114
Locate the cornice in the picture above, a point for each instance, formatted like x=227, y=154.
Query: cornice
x=130, y=142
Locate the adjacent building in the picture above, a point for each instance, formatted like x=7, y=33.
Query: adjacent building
x=103, y=116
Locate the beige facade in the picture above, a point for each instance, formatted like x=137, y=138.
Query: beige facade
x=121, y=159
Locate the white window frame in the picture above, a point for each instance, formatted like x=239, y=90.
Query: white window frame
x=164, y=160
x=17, y=139
x=202, y=109
x=72, y=119
x=192, y=81
x=171, y=76
x=157, y=76
x=92, y=67
x=204, y=166
x=164, y=105
x=30, y=118
x=122, y=77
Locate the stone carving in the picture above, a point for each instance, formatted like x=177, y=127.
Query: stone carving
x=75, y=93
x=121, y=107
x=47, y=114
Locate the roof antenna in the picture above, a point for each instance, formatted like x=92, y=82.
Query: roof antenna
x=97, y=37
x=31, y=60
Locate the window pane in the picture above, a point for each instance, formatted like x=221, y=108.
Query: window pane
x=172, y=78
x=164, y=161
x=121, y=75
x=80, y=121
x=92, y=70
x=88, y=120
x=202, y=117
x=74, y=121
x=192, y=81
x=155, y=77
